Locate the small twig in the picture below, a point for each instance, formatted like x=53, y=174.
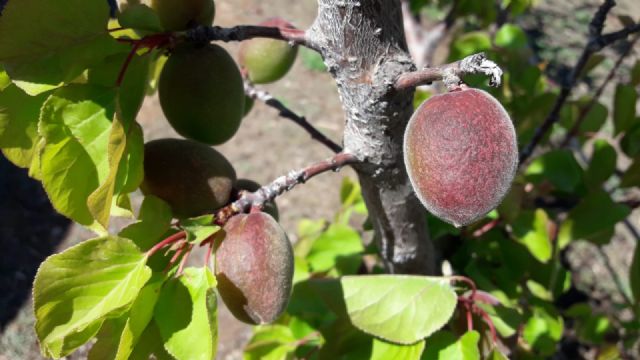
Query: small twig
x=586, y=109
x=596, y=42
x=256, y=94
x=246, y=32
x=282, y=185
x=450, y=73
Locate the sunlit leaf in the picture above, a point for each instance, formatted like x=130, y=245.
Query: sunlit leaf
x=444, y=346
x=76, y=290
x=531, y=229
x=382, y=350
x=274, y=342
x=337, y=243
x=401, y=309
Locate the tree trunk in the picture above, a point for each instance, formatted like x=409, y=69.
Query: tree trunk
x=364, y=47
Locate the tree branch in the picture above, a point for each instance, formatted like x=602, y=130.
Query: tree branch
x=596, y=42
x=585, y=110
x=246, y=32
x=283, y=184
x=254, y=93
x=450, y=73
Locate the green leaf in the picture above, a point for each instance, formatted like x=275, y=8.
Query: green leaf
x=383, y=350
x=631, y=177
x=531, y=229
x=595, y=214
x=46, y=43
x=634, y=274
x=511, y=36
x=75, y=291
x=186, y=315
x=125, y=149
x=401, y=309
x=312, y=60
x=272, y=342
x=444, y=346
x=107, y=339
x=624, y=110
x=559, y=167
x=140, y=316
x=150, y=343
x=4, y=79
x=630, y=142
x=153, y=222
x=543, y=330
x=338, y=242
x=76, y=122
x=140, y=17
x=199, y=228
x=470, y=43
x=603, y=164
x=635, y=74
x=133, y=88
x=594, y=119
x=19, y=114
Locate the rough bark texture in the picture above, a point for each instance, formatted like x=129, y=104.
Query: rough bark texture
x=363, y=44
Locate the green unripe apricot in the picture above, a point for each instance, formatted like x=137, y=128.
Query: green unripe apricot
x=267, y=60
x=178, y=15
x=193, y=178
x=202, y=93
x=270, y=207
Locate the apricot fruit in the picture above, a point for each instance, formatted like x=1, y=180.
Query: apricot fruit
x=254, y=268
x=267, y=60
x=191, y=177
x=202, y=93
x=270, y=207
x=178, y=15
x=461, y=154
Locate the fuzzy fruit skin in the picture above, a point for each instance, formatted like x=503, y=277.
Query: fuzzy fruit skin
x=178, y=15
x=267, y=60
x=202, y=93
x=191, y=177
x=461, y=154
x=270, y=207
x=254, y=268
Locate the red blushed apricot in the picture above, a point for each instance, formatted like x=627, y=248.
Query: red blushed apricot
x=461, y=154
x=254, y=268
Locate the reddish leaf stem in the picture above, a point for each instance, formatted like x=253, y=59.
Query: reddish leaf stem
x=168, y=241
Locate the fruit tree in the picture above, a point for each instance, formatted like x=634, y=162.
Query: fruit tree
x=471, y=195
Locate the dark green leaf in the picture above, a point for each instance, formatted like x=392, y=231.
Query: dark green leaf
x=630, y=142
x=469, y=43
x=140, y=17
x=603, y=164
x=273, y=342
x=624, y=111
x=595, y=214
x=559, y=167
x=631, y=177
x=76, y=290
x=634, y=274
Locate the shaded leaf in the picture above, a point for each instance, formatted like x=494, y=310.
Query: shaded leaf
x=199, y=228
x=624, y=107
x=559, y=167
x=186, y=315
x=602, y=165
x=273, y=342
x=531, y=229
x=444, y=346
x=401, y=309
x=140, y=17
x=337, y=242
x=154, y=220
x=631, y=177
x=75, y=37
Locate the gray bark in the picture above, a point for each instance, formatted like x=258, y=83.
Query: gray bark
x=363, y=44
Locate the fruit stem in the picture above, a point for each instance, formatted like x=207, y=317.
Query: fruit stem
x=168, y=241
